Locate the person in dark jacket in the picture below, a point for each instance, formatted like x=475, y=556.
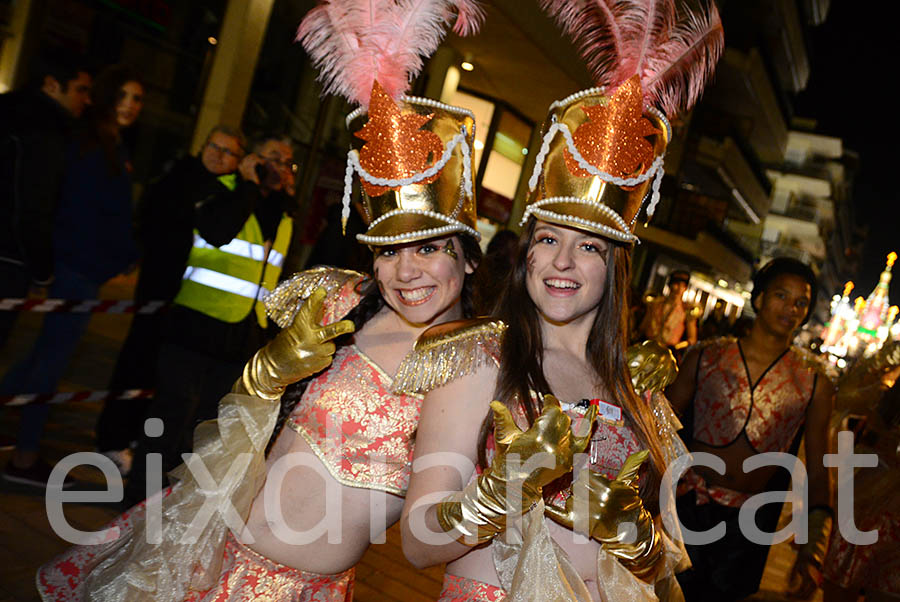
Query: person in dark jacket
x=35, y=125
x=92, y=243
x=165, y=233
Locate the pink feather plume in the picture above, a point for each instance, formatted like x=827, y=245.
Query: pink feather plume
x=674, y=53
x=354, y=42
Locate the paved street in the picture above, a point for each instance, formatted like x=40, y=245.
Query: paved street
x=28, y=540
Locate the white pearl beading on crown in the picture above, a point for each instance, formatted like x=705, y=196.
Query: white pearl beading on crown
x=428, y=102
x=655, y=171
x=354, y=165
x=453, y=225
x=601, y=92
x=623, y=233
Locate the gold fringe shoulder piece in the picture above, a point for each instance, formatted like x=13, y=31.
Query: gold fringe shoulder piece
x=447, y=351
x=283, y=303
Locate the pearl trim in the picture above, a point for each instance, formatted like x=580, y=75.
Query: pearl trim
x=583, y=163
x=601, y=91
x=354, y=165
x=622, y=234
x=428, y=102
x=656, y=170
x=580, y=222
x=453, y=225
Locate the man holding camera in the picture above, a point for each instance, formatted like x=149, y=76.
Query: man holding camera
x=165, y=232
x=218, y=320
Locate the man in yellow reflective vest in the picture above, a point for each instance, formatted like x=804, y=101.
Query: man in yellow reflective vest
x=218, y=320
x=165, y=233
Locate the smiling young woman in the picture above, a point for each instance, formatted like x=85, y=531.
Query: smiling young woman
x=560, y=383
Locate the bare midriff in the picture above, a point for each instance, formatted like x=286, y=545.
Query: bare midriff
x=734, y=478
x=337, y=519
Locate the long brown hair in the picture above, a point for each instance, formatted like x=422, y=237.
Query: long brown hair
x=522, y=352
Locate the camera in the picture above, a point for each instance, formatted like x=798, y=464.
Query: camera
x=269, y=176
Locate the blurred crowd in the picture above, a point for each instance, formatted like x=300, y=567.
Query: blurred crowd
x=210, y=234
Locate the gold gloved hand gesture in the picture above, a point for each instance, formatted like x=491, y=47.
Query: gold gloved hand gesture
x=479, y=512
x=806, y=574
x=298, y=351
x=652, y=367
x=598, y=506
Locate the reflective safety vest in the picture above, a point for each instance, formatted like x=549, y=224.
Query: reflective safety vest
x=226, y=282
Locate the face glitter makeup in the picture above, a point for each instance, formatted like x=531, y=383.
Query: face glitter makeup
x=450, y=250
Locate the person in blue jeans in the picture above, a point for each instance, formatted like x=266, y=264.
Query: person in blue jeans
x=92, y=243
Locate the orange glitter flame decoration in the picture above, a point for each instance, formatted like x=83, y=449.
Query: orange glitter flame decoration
x=396, y=146
x=614, y=139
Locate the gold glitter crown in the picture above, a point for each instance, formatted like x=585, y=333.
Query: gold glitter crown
x=415, y=165
x=601, y=156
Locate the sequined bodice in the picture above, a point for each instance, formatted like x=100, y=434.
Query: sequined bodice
x=726, y=404
x=361, y=432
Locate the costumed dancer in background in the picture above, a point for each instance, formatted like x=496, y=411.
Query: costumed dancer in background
x=744, y=397
x=508, y=533
x=339, y=468
x=669, y=320
x=873, y=569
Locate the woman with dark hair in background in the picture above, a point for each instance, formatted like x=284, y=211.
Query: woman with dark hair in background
x=92, y=243
x=490, y=280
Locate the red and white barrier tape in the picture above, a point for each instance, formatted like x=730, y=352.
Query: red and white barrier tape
x=91, y=306
x=74, y=396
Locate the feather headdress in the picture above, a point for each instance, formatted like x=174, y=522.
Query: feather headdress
x=354, y=43
x=672, y=51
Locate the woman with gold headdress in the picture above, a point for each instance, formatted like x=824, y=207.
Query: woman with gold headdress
x=292, y=524
x=509, y=516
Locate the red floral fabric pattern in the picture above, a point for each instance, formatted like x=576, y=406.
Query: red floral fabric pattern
x=62, y=579
x=874, y=567
x=247, y=575
x=770, y=413
x=460, y=589
x=361, y=432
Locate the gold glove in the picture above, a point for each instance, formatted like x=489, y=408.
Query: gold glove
x=806, y=574
x=652, y=367
x=608, y=505
x=478, y=512
x=298, y=351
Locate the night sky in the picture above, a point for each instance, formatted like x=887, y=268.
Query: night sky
x=853, y=95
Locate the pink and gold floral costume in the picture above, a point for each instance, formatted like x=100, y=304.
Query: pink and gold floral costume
x=768, y=414
x=374, y=430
